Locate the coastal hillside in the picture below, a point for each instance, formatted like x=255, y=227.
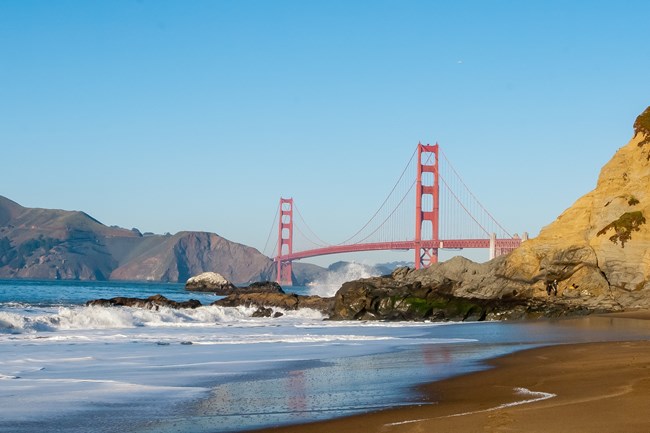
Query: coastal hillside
x=57, y=244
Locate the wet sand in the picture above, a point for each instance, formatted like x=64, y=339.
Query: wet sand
x=590, y=387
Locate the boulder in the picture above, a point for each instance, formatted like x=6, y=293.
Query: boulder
x=217, y=284
x=263, y=312
x=261, y=287
x=209, y=282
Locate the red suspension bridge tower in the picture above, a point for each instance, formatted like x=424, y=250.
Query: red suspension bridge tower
x=427, y=188
x=285, y=239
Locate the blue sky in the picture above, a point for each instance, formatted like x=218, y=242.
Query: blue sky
x=176, y=115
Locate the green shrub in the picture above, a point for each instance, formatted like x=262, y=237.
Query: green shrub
x=7, y=251
x=624, y=226
x=642, y=125
x=28, y=247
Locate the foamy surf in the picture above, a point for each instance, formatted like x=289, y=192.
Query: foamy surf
x=327, y=285
x=84, y=318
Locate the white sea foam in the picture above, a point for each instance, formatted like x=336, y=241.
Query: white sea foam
x=332, y=281
x=253, y=339
x=537, y=396
x=84, y=318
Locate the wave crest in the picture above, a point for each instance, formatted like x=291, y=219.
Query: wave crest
x=85, y=318
x=333, y=280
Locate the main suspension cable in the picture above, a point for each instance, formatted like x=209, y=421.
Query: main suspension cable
x=382, y=205
x=473, y=196
x=275, y=219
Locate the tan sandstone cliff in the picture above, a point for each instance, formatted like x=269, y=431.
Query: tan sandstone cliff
x=601, y=244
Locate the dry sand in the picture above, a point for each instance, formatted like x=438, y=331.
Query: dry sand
x=591, y=387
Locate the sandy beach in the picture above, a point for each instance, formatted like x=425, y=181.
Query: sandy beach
x=590, y=387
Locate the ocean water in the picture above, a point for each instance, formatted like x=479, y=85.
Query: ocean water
x=69, y=368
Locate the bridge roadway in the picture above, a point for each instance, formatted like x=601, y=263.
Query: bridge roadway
x=401, y=245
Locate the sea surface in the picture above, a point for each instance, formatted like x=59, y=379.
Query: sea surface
x=66, y=367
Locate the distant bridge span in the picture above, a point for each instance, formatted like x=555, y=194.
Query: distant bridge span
x=425, y=239
x=497, y=247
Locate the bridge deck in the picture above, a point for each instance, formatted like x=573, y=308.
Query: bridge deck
x=401, y=245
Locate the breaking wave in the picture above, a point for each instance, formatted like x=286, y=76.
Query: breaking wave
x=333, y=280
x=85, y=318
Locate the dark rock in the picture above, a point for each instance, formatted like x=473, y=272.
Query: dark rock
x=434, y=298
x=384, y=298
x=217, y=284
x=262, y=287
x=400, y=273
x=285, y=301
x=259, y=287
x=152, y=303
x=263, y=312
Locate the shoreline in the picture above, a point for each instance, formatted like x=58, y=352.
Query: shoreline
x=575, y=387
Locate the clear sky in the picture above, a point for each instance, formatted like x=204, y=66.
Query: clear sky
x=199, y=115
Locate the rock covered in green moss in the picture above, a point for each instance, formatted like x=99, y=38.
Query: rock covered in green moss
x=388, y=298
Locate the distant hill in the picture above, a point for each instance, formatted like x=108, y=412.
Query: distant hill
x=58, y=244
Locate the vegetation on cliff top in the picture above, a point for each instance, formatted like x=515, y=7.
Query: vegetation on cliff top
x=642, y=124
x=624, y=226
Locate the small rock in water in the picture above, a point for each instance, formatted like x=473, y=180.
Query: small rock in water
x=186, y=343
x=210, y=282
x=162, y=343
x=263, y=312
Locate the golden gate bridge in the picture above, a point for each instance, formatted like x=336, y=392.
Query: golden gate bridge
x=434, y=211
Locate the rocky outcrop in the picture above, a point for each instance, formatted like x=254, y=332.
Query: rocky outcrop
x=457, y=290
x=151, y=303
x=285, y=301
